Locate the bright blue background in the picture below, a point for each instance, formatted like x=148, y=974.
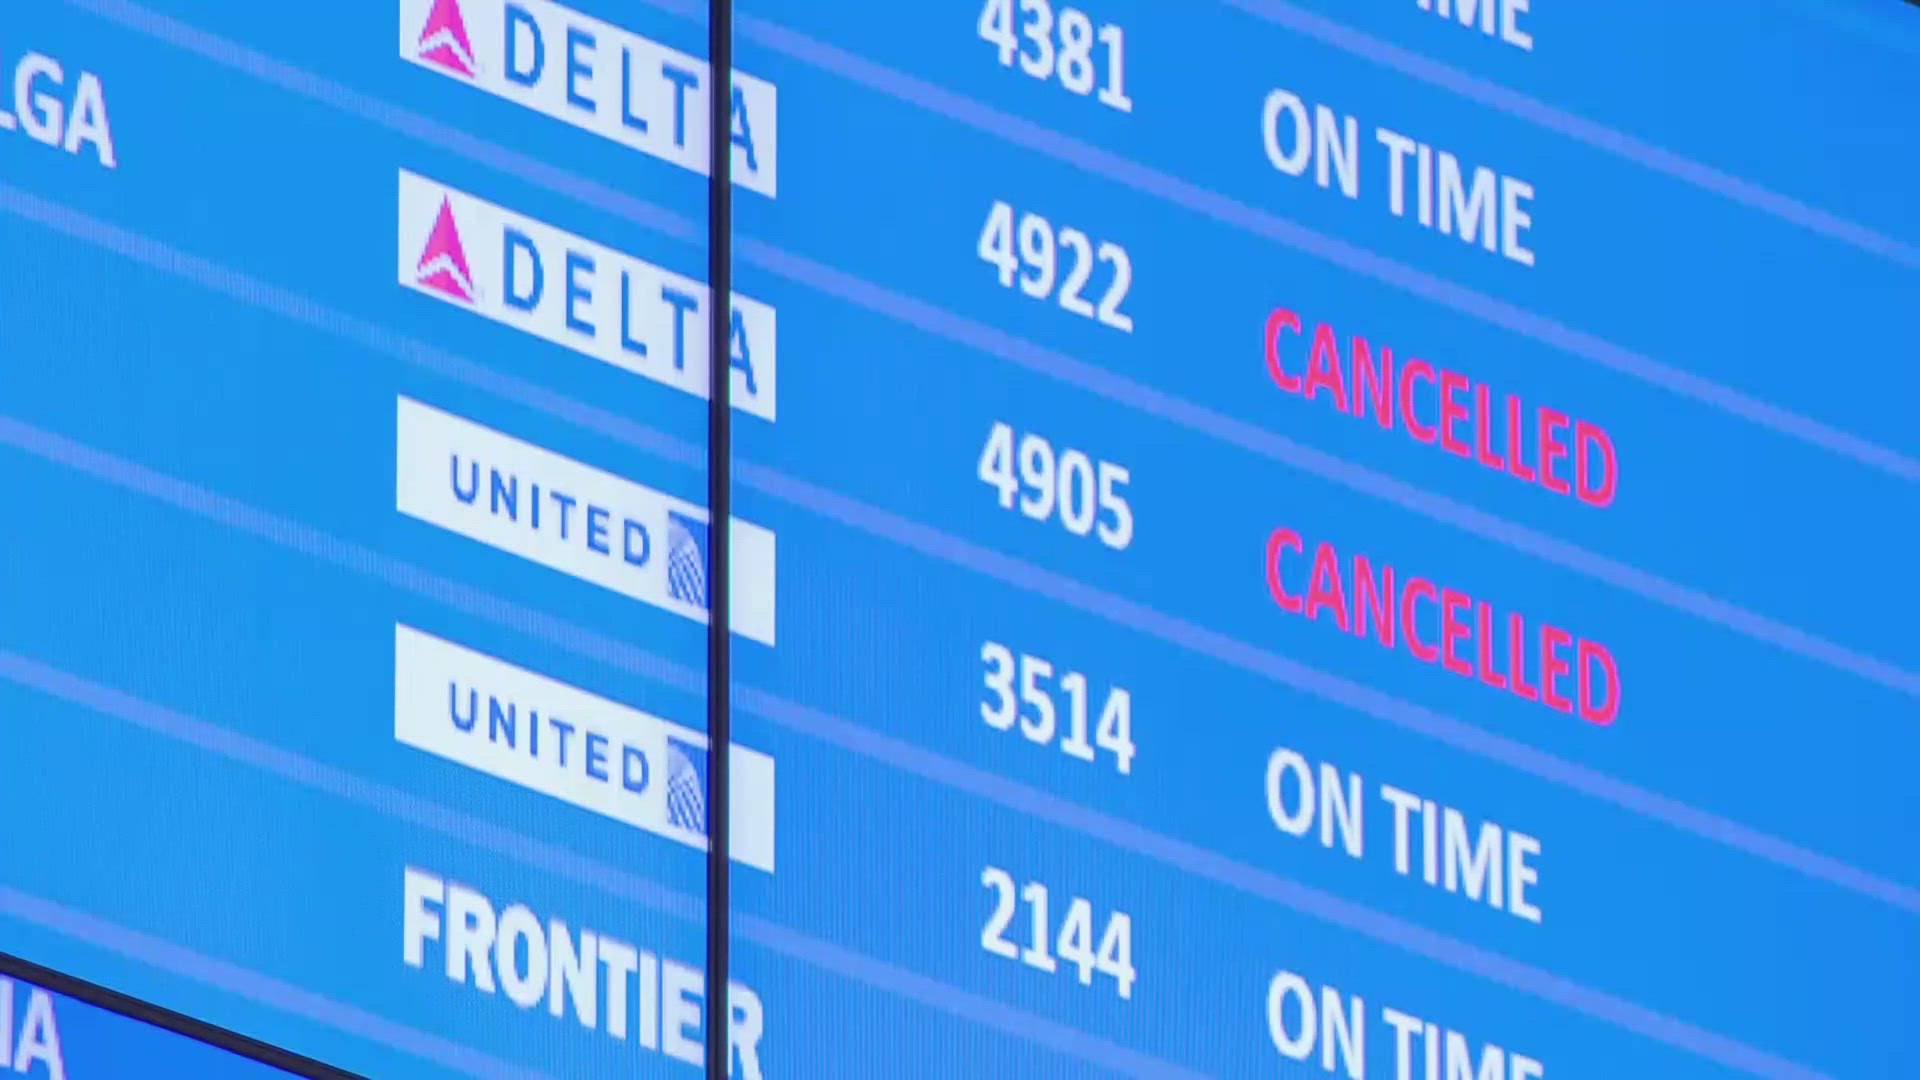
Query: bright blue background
x=98, y=1044
x=896, y=563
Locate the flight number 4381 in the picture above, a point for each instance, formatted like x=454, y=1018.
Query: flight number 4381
x=1044, y=945
x=1059, y=45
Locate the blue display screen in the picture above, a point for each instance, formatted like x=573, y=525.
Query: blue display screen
x=1266, y=537
x=49, y=1035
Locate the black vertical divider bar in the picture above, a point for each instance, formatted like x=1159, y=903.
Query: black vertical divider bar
x=719, y=546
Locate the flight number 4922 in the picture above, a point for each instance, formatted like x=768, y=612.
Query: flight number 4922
x=1059, y=262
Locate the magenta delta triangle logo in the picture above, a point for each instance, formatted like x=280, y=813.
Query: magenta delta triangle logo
x=444, y=42
x=443, y=265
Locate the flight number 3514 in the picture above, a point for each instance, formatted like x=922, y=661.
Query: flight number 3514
x=1026, y=690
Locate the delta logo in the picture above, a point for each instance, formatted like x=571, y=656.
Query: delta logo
x=444, y=43
x=443, y=267
x=595, y=76
x=485, y=259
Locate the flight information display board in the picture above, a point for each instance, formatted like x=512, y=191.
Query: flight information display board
x=1269, y=537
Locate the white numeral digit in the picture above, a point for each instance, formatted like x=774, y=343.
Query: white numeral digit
x=1036, y=470
x=1075, y=743
x=1035, y=955
x=1085, y=494
x=1037, y=725
x=1020, y=688
x=1038, y=29
x=1060, y=45
x=1115, y=733
x=1076, y=493
x=1116, y=292
x=1076, y=939
x=1116, y=953
x=1072, y=942
x=996, y=243
x=996, y=27
x=1076, y=242
x=1037, y=255
x=999, y=678
x=993, y=936
x=1115, y=92
x=1076, y=51
x=996, y=465
x=1031, y=251
x=1117, y=533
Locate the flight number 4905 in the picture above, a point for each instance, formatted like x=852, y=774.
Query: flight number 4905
x=1044, y=945
x=1050, y=45
x=1088, y=497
